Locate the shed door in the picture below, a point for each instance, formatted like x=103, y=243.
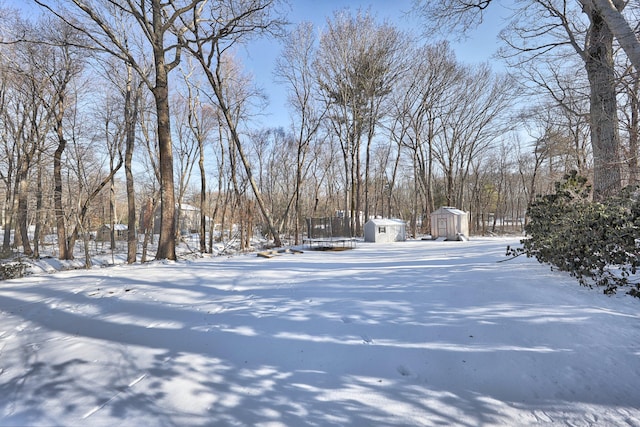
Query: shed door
x=442, y=227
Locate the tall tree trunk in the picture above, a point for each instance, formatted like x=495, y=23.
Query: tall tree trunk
x=203, y=198
x=39, y=202
x=23, y=192
x=352, y=194
x=65, y=253
x=358, y=189
x=633, y=129
x=429, y=194
x=166, y=242
x=131, y=117
x=605, y=139
x=112, y=208
x=8, y=222
x=298, y=212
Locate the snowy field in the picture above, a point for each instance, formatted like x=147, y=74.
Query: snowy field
x=406, y=334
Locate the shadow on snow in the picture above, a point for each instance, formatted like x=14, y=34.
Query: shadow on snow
x=419, y=337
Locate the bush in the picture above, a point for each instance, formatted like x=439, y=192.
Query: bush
x=12, y=270
x=596, y=243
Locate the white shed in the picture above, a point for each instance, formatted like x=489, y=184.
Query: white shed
x=379, y=230
x=449, y=223
x=104, y=232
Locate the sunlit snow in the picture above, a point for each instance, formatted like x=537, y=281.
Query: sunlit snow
x=418, y=333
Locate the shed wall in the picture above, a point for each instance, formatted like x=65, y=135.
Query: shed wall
x=449, y=224
x=394, y=231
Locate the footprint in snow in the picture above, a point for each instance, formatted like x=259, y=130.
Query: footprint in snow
x=402, y=370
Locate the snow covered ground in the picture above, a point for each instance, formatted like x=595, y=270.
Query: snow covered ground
x=404, y=334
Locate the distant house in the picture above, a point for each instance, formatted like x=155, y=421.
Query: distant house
x=381, y=230
x=104, y=232
x=187, y=217
x=449, y=223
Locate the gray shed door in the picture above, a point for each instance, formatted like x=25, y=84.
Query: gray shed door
x=442, y=227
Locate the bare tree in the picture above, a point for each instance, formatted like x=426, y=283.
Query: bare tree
x=89, y=182
x=127, y=96
x=562, y=93
x=269, y=149
x=132, y=96
x=463, y=15
x=422, y=95
x=25, y=127
x=201, y=121
x=295, y=69
x=209, y=40
x=113, y=135
x=593, y=44
x=543, y=26
x=129, y=93
x=223, y=190
x=470, y=125
x=150, y=192
x=160, y=23
x=186, y=147
x=54, y=63
x=358, y=61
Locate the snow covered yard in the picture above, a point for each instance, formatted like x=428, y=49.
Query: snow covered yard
x=404, y=334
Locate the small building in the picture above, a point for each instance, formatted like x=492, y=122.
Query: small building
x=104, y=232
x=449, y=223
x=187, y=219
x=381, y=230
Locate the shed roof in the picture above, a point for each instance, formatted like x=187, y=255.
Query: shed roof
x=387, y=221
x=449, y=209
x=117, y=227
x=186, y=207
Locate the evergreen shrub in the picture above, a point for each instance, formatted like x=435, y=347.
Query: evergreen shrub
x=597, y=243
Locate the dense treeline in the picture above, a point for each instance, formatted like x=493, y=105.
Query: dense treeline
x=119, y=112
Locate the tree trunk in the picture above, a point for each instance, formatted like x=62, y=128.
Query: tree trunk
x=130, y=114
x=39, y=202
x=610, y=12
x=605, y=140
x=166, y=242
x=358, y=189
x=23, y=193
x=352, y=196
x=298, y=211
x=149, y=225
x=8, y=221
x=112, y=208
x=633, y=130
x=64, y=251
x=203, y=198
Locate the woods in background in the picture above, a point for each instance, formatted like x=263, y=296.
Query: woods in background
x=111, y=109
